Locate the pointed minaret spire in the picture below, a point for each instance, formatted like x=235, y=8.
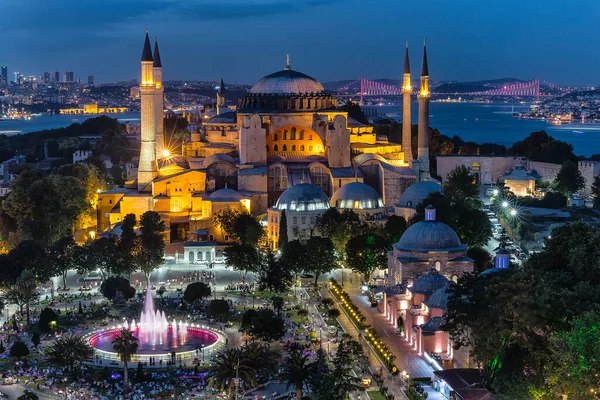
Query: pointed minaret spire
x=287, y=62
x=147, y=52
x=222, y=87
x=424, y=68
x=157, y=62
x=406, y=61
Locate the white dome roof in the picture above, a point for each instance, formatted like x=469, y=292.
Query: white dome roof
x=303, y=197
x=356, y=196
x=416, y=193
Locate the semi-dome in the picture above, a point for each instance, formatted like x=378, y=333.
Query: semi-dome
x=225, y=196
x=417, y=192
x=356, y=196
x=303, y=197
x=287, y=81
x=439, y=298
x=429, y=283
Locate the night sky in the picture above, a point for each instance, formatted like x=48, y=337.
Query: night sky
x=242, y=40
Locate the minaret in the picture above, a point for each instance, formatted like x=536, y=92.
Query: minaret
x=406, y=122
x=158, y=102
x=147, y=169
x=424, y=96
x=221, y=97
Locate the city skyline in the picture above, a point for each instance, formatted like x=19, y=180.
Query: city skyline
x=328, y=39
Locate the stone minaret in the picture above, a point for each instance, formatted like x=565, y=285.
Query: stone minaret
x=147, y=169
x=158, y=103
x=406, y=127
x=221, y=98
x=424, y=96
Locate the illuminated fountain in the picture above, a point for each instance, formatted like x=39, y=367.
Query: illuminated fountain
x=159, y=339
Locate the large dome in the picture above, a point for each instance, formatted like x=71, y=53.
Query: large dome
x=429, y=283
x=287, y=81
x=303, y=197
x=417, y=192
x=356, y=196
x=426, y=236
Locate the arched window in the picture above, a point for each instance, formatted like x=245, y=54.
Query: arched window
x=284, y=148
x=310, y=136
x=293, y=134
x=310, y=148
x=285, y=134
x=438, y=266
x=301, y=135
x=275, y=148
x=293, y=147
x=275, y=138
x=267, y=148
x=301, y=147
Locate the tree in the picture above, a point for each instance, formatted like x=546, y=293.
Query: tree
x=139, y=373
x=482, y=258
x=539, y=146
x=293, y=257
x=320, y=379
x=342, y=375
x=32, y=256
x=125, y=345
x=240, y=225
x=296, y=371
x=47, y=318
x=27, y=395
x=339, y=227
x=100, y=255
x=461, y=184
x=69, y=351
x=152, y=243
x=267, y=326
x=272, y=276
x=114, y=284
x=65, y=255
x=568, y=180
x=219, y=309
x=19, y=350
x=243, y=258
x=596, y=191
x=23, y=292
x=355, y=112
x=333, y=313
x=228, y=366
x=261, y=360
x=35, y=339
x=283, y=234
x=129, y=244
x=366, y=254
x=196, y=291
x=247, y=319
x=277, y=303
x=394, y=228
x=321, y=257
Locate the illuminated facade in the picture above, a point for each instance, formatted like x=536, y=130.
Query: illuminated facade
x=285, y=131
x=94, y=109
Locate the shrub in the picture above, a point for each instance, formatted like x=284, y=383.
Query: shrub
x=19, y=350
x=47, y=316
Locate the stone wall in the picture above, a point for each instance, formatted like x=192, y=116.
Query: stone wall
x=547, y=171
x=589, y=170
x=489, y=168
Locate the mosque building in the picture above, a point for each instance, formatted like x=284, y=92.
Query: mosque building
x=287, y=146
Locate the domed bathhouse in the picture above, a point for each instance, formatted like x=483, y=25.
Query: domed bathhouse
x=303, y=204
x=428, y=244
x=360, y=198
x=413, y=196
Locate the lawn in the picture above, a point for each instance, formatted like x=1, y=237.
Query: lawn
x=376, y=395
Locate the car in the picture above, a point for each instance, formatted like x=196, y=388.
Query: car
x=84, y=288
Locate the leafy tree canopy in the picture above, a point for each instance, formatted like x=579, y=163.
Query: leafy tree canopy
x=114, y=284
x=367, y=253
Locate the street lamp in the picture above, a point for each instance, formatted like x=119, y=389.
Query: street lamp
x=513, y=212
x=504, y=204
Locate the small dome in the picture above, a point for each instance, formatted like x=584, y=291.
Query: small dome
x=302, y=197
x=417, y=192
x=218, y=157
x=426, y=236
x=427, y=284
x=223, y=118
x=439, y=298
x=225, y=196
x=287, y=81
x=356, y=196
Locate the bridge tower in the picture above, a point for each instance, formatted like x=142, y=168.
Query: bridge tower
x=424, y=97
x=406, y=121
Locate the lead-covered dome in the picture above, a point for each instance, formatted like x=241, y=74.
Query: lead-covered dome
x=356, y=196
x=426, y=236
x=287, y=81
x=225, y=196
x=430, y=282
x=439, y=298
x=417, y=192
x=303, y=197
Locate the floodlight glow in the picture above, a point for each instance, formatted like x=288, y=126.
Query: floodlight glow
x=505, y=204
x=166, y=153
x=495, y=192
x=513, y=212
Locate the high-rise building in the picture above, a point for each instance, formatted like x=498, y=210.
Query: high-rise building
x=56, y=76
x=18, y=78
x=68, y=76
x=4, y=74
x=46, y=77
x=90, y=79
